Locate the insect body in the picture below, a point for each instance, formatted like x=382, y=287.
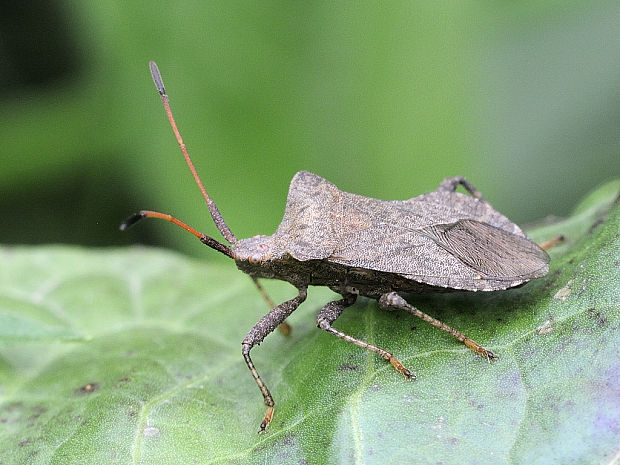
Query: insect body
x=355, y=245
x=344, y=241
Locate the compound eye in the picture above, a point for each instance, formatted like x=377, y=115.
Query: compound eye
x=260, y=253
x=255, y=258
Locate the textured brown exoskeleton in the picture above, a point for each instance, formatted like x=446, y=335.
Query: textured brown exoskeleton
x=355, y=245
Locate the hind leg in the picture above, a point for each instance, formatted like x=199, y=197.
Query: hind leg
x=550, y=243
x=393, y=300
x=450, y=185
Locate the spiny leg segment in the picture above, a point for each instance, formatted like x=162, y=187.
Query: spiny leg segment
x=330, y=312
x=393, y=300
x=283, y=327
x=257, y=334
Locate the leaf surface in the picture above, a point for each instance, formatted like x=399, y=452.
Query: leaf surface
x=129, y=356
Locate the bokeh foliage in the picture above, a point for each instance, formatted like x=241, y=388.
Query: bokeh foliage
x=382, y=99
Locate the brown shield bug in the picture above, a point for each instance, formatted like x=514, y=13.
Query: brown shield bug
x=359, y=246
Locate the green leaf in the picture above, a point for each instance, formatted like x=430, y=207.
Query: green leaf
x=133, y=356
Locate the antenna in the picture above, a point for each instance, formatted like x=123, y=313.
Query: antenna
x=206, y=240
x=215, y=213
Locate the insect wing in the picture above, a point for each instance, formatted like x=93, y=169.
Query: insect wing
x=437, y=247
x=493, y=252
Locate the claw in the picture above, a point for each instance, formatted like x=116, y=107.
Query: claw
x=480, y=350
x=401, y=368
x=266, y=420
x=489, y=355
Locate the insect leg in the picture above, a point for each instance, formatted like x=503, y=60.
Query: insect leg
x=550, y=243
x=450, y=185
x=330, y=312
x=256, y=335
x=283, y=327
x=393, y=300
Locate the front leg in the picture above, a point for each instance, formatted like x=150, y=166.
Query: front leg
x=284, y=327
x=393, y=300
x=256, y=335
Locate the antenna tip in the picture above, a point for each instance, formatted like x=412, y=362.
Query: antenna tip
x=156, y=75
x=133, y=219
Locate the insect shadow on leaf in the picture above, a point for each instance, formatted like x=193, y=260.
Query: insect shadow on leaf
x=359, y=246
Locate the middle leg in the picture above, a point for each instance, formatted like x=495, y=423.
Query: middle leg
x=333, y=310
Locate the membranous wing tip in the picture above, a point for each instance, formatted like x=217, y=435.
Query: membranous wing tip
x=493, y=252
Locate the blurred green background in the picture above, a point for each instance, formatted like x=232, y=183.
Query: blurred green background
x=383, y=99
